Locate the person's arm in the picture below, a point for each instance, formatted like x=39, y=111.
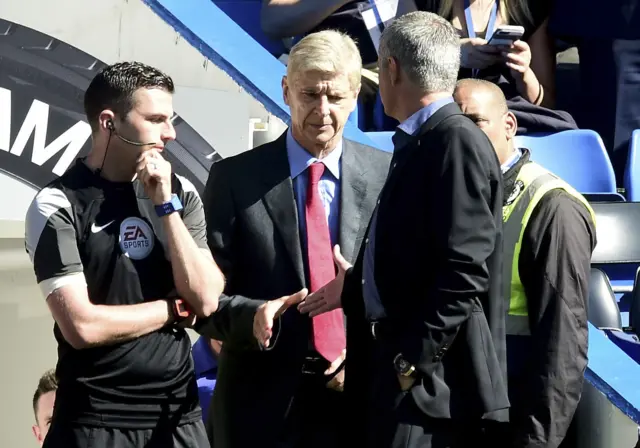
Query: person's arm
x=86, y=325
x=555, y=267
x=464, y=238
x=51, y=243
x=543, y=66
x=233, y=321
x=288, y=18
x=197, y=278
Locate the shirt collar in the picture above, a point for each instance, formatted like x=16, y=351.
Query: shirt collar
x=511, y=161
x=412, y=125
x=300, y=159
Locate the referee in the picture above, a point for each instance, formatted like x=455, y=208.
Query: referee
x=119, y=251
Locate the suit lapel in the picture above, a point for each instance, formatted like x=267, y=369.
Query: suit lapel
x=353, y=188
x=280, y=203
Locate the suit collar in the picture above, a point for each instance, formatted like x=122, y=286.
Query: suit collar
x=353, y=192
x=442, y=113
x=424, y=120
x=279, y=200
x=402, y=158
x=300, y=159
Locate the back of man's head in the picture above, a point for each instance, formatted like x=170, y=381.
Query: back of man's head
x=330, y=52
x=426, y=47
x=47, y=383
x=43, y=401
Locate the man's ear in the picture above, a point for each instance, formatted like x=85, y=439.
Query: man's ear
x=285, y=90
x=36, y=432
x=394, y=71
x=511, y=125
x=106, y=119
x=355, y=99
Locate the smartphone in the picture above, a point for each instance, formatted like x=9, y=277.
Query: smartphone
x=506, y=35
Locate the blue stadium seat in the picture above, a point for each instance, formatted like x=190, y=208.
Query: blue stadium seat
x=382, y=140
x=628, y=343
x=618, y=250
x=579, y=157
x=246, y=13
x=604, y=197
x=632, y=171
x=603, y=308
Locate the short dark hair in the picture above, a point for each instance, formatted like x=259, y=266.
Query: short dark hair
x=48, y=383
x=113, y=88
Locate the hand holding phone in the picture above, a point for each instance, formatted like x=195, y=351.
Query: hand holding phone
x=518, y=58
x=476, y=54
x=506, y=35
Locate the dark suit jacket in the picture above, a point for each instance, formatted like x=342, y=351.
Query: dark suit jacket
x=254, y=236
x=438, y=269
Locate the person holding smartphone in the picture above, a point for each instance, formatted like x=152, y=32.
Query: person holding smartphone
x=522, y=66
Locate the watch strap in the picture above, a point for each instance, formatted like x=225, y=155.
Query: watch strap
x=402, y=366
x=180, y=309
x=174, y=205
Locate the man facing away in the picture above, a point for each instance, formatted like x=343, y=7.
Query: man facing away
x=118, y=244
x=549, y=235
x=274, y=216
x=43, y=400
x=425, y=291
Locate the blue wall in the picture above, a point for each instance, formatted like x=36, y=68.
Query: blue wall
x=230, y=48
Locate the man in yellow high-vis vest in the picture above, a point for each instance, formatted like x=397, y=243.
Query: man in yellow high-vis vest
x=549, y=235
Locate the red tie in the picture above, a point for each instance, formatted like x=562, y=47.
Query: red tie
x=328, y=328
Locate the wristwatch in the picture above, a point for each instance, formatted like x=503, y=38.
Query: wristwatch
x=180, y=309
x=402, y=366
x=174, y=205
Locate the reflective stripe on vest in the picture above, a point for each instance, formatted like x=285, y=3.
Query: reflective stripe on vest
x=532, y=183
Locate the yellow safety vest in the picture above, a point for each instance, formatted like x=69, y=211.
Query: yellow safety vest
x=532, y=183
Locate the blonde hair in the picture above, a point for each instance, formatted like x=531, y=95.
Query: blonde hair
x=326, y=51
x=511, y=11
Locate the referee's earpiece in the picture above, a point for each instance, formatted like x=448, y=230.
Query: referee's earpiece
x=110, y=125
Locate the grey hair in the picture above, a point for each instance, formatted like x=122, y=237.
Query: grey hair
x=427, y=49
x=327, y=51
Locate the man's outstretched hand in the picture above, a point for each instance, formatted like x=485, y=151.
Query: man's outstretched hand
x=271, y=310
x=327, y=298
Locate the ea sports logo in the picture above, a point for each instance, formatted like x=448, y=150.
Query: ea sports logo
x=136, y=238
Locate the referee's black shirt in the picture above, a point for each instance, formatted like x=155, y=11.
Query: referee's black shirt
x=86, y=230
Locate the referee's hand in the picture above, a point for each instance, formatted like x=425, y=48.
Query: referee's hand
x=155, y=174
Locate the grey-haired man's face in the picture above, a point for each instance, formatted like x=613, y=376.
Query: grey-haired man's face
x=320, y=105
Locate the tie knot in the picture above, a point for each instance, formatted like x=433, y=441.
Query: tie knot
x=316, y=170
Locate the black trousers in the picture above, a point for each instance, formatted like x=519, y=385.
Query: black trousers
x=395, y=421
x=316, y=416
x=62, y=435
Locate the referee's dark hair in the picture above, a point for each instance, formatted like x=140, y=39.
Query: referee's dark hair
x=47, y=383
x=113, y=88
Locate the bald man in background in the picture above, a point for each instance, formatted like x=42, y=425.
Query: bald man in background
x=549, y=235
